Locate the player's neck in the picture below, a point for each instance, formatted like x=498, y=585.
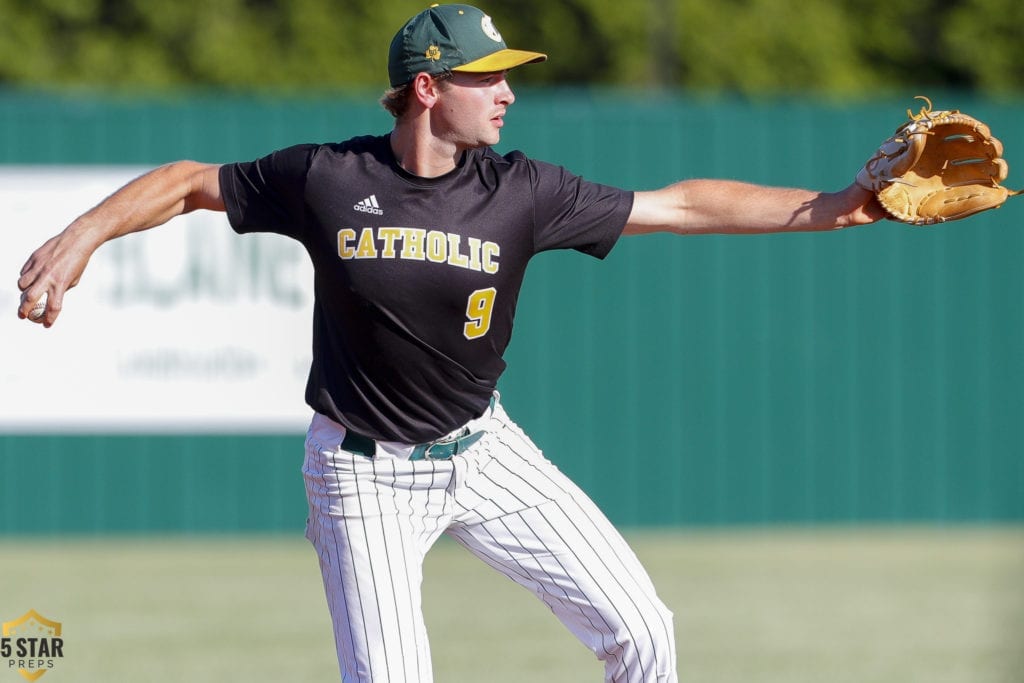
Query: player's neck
x=422, y=154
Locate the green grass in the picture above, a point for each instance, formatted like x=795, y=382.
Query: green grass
x=769, y=606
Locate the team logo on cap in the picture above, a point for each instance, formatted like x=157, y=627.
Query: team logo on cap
x=433, y=53
x=488, y=26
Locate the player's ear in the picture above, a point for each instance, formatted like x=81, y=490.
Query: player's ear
x=426, y=89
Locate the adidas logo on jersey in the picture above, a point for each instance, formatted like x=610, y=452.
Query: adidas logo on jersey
x=369, y=205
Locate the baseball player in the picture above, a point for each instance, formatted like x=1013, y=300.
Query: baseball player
x=419, y=240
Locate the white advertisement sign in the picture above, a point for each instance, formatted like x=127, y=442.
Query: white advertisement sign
x=188, y=326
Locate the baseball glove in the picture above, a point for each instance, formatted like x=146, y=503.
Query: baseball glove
x=938, y=166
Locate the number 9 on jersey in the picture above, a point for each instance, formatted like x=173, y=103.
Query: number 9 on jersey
x=478, y=310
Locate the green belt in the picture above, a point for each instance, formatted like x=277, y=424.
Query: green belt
x=436, y=450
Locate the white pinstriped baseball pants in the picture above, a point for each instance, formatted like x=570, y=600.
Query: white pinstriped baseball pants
x=372, y=521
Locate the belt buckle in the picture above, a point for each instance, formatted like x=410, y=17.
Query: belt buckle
x=446, y=455
x=447, y=447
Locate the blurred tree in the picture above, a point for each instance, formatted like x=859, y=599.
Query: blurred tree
x=903, y=41
x=770, y=46
x=982, y=40
x=244, y=44
x=749, y=46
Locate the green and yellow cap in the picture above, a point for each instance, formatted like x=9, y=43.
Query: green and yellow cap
x=451, y=38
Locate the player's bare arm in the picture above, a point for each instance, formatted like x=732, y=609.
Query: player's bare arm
x=730, y=207
x=146, y=202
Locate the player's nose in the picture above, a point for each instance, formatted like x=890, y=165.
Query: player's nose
x=504, y=95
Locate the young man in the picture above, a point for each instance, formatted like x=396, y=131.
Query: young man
x=415, y=295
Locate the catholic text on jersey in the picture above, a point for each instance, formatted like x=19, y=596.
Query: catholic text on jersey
x=419, y=244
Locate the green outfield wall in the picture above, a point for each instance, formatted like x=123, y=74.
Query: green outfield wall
x=867, y=375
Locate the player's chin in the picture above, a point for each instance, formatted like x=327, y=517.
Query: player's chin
x=487, y=140
x=483, y=137
x=494, y=132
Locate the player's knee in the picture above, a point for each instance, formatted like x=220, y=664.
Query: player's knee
x=645, y=650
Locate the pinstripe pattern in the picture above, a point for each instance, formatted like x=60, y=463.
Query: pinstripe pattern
x=372, y=522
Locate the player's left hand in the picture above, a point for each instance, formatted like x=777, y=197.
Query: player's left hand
x=868, y=208
x=938, y=166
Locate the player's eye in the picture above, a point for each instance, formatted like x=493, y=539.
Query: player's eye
x=491, y=78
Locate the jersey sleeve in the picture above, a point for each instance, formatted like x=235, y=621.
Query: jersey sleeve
x=268, y=194
x=573, y=213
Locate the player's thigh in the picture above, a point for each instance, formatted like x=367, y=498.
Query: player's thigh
x=525, y=518
x=579, y=565
x=371, y=523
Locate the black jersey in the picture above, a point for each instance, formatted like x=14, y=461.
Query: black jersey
x=416, y=279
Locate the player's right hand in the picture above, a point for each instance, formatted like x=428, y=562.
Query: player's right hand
x=52, y=269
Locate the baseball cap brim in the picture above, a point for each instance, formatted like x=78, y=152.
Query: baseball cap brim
x=502, y=60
